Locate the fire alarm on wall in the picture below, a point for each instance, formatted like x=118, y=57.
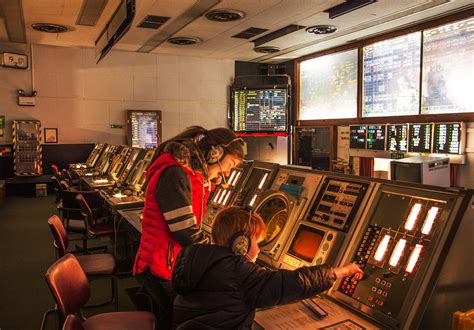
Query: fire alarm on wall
x=12, y=60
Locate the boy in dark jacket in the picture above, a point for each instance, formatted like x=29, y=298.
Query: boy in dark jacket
x=220, y=286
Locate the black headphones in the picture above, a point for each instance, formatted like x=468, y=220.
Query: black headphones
x=241, y=241
x=217, y=152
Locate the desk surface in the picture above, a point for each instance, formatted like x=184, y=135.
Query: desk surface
x=132, y=217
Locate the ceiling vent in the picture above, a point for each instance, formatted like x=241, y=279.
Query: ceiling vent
x=321, y=29
x=49, y=27
x=266, y=49
x=347, y=7
x=224, y=15
x=91, y=11
x=184, y=41
x=153, y=22
x=277, y=34
x=249, y=33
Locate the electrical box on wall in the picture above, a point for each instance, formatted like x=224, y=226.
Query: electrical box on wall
x=27, y=101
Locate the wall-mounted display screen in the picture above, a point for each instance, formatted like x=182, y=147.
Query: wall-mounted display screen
x=260, y=110
x=447, y=138
x=306, y=243
x=357, y=137
x=391, y=77
x=448, y=74
x=144, y=128
x=397, y=138
x=376, y=137
x=328, y=86
x=419, y=137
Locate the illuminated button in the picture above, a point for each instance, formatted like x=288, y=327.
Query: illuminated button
x=383, y=282
x=329, y=237
x=380, y=302
x=370, y=298
x=377, y=280
x=384, y=293
x=389, y=284
x=325, y=246
x=374, y=289
x=379, y=291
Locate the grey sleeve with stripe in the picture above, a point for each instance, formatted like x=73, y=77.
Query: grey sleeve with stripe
x=173, y=194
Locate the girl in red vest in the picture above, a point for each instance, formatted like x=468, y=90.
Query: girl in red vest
x=178, y=184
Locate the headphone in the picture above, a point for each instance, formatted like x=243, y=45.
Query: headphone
x=241, y=241
x=217, y=152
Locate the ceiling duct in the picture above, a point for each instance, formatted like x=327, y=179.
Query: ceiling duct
x=190, y=15
x=91, y=11
x=14, y=20
x=277, y=34
x=249, y=33
x=347, y=7
x=267, y=49
x=49, y=27
x=153, y=22
x=321, y=29
x=184, y=41
x=224, y=15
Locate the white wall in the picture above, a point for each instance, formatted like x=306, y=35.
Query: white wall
x=83, y=99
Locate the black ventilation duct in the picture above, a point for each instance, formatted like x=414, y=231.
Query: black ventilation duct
x=347, y=7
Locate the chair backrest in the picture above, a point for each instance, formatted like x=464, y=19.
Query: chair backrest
x=56, y=171
x=60, y=235
x=72, y=323
x=68, y=284
x=85, y=210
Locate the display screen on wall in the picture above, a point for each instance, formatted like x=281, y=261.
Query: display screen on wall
x=397, y=138
x=391, y=77
x=144, y=128
x=376, y=137
x=448, y=68
x=260, y=110
x=419, y=137
x=328, y=87
x=357, y=137
x=447, y=138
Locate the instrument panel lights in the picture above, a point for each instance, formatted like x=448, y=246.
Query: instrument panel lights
x=262, y=182
x=415, y=210
x=428, y=225
x=382, y=248
x=397, y=252
x=226, y=198
x=254, y=198
x=216, y=198
x=415, y=255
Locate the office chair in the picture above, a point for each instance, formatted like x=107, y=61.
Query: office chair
x=71, y=290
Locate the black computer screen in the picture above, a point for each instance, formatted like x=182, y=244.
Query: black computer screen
x=447, y=138
x=406, y=172
x=260, y=110
x=397, y=137
x=419, y=138
x=357, y=137
x=376, y=137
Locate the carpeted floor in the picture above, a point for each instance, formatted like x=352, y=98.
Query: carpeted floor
x=26, y=252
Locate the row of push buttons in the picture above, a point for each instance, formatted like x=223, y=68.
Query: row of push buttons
x=379, y=291
x=375, y=300
x=383, y=282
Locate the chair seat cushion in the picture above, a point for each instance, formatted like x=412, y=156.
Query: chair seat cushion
x=97, y=264
x=101, y=229
x=76, y=226
x=121, y=321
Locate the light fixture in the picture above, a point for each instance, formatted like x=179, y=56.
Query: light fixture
x=224, y=15
x=266, y=49
x=321, y=29
x=184, y=41
x=49, y=27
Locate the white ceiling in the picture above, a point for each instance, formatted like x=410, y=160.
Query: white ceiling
x=217, y=42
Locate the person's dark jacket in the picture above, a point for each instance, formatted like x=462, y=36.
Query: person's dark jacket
x=218, y=289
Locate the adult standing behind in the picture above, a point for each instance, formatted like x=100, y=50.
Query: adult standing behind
x=178, y=184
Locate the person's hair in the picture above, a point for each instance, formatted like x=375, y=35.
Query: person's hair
x=206, y=139
x=234, y=219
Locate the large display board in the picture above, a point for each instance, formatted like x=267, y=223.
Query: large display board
x=397, y=139
x=448, y=74
x=260, y=110
x=144, y=128
x=391, y=77
x=419, y=137
x=328, y=86
x=357, y=137
x=447, y=138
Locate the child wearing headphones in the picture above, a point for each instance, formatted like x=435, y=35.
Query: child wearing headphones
x=220, y=286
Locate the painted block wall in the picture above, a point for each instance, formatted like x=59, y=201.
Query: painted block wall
x=82, y=99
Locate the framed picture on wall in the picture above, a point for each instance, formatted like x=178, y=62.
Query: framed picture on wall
x=50, y=135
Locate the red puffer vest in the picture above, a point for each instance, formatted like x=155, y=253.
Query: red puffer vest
x=158, y=249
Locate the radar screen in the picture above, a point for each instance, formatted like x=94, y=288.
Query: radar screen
x=274, y=211
x=306, y=243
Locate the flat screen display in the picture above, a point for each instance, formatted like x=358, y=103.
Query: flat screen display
x=391, y=77
x=260, y=110
x=328, y=86
x=448, y=74
x=306, y=243
x=144, y=128
x=397, y=138
x=447, y=138
x=419, y=138
x=357, y=137
x=376, y=137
